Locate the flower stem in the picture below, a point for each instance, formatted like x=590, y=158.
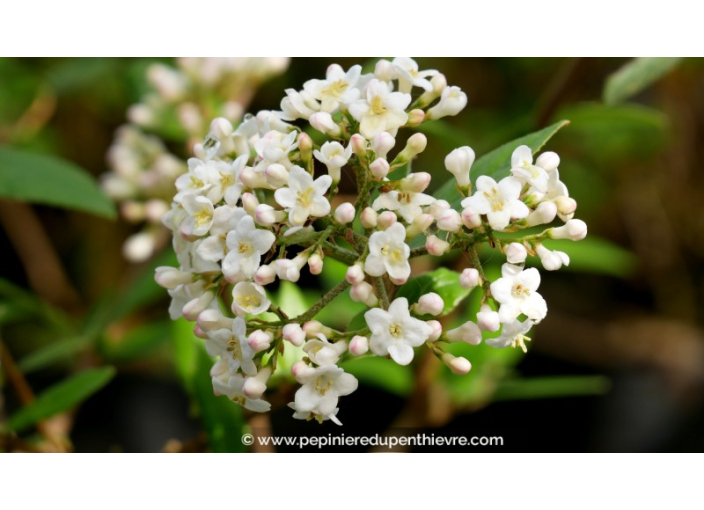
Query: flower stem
x=381, y=292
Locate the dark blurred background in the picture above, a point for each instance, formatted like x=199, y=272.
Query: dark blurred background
x=626, y=320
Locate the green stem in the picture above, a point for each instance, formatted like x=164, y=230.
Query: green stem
x=381, y=292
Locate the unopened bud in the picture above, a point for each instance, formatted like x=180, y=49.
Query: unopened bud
x=436, y=246
x=315, y=264
x=362, y=292
x=276, y=175
x=314, y=328
x=565, y=205
x=552, y=260
x=345, y=213
x=254, y=387
x=355, y=274
x=382, y=144
x=359, y=345
x=420, y=224
x=386, y=219
x=458, y=163
x=458, y=365
x=265, y=274
x=415, y=182
x=260, y=340
x=221, y=128
x=575, y=230
x=415, y=118
x=468, y=333
x=368, y=218
x=438, y=207
x=195, y=306
x=471, y=218
x=322, y=121
x=249, y=203
x=543, y=214
x=359, y=145
x=435, y=330
x=212, y=319
x=170, y=277
x=430, y=303
x=488, y=319
x=549, y=161
x=379, y=168
x=450, y=221
x=266, y=216
x=294, y=334
x=516, y=253
x=470, y=278
x=384, y=71
x=414, y=146
x=252, y=179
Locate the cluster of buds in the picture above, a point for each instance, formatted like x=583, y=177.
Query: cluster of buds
x=257, y=204
x=179, y=107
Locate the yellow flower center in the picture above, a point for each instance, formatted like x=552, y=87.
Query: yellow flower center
x=244, y=247
x=336, y=88
x=248, y=302
x=378, y=106
x=322, y=385
x=396, y=330
x=195, y=182
x=202, y=217
x=235, y=348
x=304, y=197
x=519, y=290
x=520, y=340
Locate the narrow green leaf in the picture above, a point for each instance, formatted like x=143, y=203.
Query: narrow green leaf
x=61, y=397
x=50, y=180
x=222, y=420
x=381, y=373
x=596, y=255
x=442, y=281
x=635, y=76
x=497, y=163
x=551, y=387
x=55, y=352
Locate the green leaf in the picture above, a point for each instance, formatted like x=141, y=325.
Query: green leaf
x=61, y=397
x=52, y=181
x=442, y=281
x=55, y=352
x=595, y=255
x=497, y=163
x=635, y=76
x=222, y=420
x=551, y=387
x=381, y=373
x=449, y=136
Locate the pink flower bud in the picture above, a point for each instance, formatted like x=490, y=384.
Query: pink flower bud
x=266, y=216
x=458, y=163
x=382, y=144
x=294, y=334
x=470, y=278
x=415, y=118
x=305, y=143
x=359, y=145
x=415, y=182
x=212, y=319
x=315, y=264
x=198, y=331
x=363, y=292
x=450, y=221
x=359, y=345
x=195, y=306
x=386, y=219
x=430, y=303
x=436, y=246
x=379, y=168
x=265, y=274
x=259, y=340
x=355, y=274
x=345, y=213
x=471, y=218
x=437, y=208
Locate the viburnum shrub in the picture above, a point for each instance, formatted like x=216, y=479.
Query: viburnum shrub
x=255, y=205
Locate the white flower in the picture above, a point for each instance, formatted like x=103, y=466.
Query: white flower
x=516, y=291
x=246, y=245
x=199, y=179
x=409, y=204
x=334, y=156
x=321, y=352
x=304, y=197
x=395, y=332
x=380, y=109
x=338, y=87
x=200, y=216
x=524, y=170
x=409, y=76
x=231, y=386
x=248, y=297
x=512, y=334
x=452, y=102
x=516, y=253
x=388, y=253
x=499, y=202
x=231, y=345
x=321, y=389
x=274, y=147
x=298, y=105
x=468, y=332
x=225, y=220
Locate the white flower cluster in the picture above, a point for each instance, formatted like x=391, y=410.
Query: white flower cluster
x=178, y=109
x=256, y=205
